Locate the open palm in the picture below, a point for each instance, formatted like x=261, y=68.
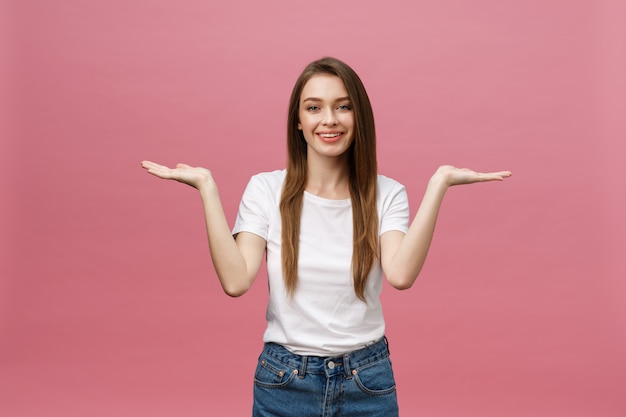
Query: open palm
x=458, y=176
x=194, y=176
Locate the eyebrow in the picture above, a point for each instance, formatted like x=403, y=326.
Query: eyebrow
x=316, y=99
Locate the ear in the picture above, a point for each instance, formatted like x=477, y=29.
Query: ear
x=299, y=126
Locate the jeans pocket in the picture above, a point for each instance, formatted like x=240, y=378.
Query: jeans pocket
x=376, y=378
x=271, y=373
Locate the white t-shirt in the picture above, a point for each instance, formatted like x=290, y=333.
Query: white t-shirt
x=324, y=317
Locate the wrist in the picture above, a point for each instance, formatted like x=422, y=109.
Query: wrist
x=207, y=188
x=440, y=179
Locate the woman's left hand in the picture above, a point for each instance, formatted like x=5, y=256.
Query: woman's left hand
x=456, y=176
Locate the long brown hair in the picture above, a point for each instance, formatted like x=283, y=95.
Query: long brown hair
x=362, y=177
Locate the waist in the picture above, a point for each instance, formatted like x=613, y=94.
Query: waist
x=344, y=363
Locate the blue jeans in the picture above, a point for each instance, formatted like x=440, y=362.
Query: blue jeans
x=359, y=383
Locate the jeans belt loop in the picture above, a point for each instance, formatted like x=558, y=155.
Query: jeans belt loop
x=302, y=371
x=346, y=366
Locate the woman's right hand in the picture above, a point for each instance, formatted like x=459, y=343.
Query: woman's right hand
x=197, y=177
x=236, y=261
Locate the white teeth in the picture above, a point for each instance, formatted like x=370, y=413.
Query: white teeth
x=329, y=135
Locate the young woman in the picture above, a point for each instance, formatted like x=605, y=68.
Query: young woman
x=330, y=227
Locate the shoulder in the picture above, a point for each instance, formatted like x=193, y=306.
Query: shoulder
x=393, y=205
x=262, y=193
x=391, y=194
x=388, y=185
x=270, y=180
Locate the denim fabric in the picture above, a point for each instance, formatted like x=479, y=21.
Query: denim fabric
x=359, y=383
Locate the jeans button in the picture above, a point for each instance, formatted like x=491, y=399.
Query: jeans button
x=331, y=365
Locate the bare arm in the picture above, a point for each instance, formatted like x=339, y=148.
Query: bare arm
x=236, y=261
x=403, y=255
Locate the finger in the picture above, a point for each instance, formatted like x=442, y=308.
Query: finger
x=147, y=164
x=496, y=176
x=151, y=165
x=184, y=166
x=501, y=174
x=160, y=171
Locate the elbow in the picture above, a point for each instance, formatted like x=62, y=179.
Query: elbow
x=234, y=284
x=235, y=291
x=401, y=282
x=403, y=278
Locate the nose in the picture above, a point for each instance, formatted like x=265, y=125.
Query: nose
x=329, y=118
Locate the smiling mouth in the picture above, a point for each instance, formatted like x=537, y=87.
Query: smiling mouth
x=330, y=137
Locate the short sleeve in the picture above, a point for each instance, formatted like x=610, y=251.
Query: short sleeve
x=394, y=210
x=253, y=214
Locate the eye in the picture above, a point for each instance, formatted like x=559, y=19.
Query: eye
x=312, y=108
x=345, y=107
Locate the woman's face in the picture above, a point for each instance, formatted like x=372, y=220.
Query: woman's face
x=326, y=118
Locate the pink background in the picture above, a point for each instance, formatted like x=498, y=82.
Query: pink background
x=108, y=302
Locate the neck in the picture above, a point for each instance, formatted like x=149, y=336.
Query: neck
x=328, y=178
